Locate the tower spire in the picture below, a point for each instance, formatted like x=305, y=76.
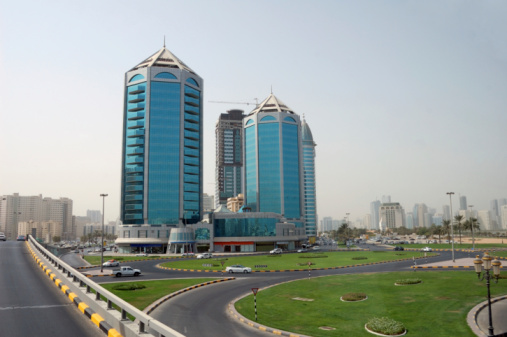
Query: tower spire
x=164, y=41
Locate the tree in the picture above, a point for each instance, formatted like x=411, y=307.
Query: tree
x=458, y=219
x=446, y=229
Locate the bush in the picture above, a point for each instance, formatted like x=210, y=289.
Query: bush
x=360, y=258
x=386, y=326
x=352, y=297
x=409, y=281
x=129, y=286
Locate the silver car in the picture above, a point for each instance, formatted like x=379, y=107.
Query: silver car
x=237, y=268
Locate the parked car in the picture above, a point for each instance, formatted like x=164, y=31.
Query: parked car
x=302, y=250
x=276, y=251
x=2, y=237
x=111, y=263
x=237, y=268
x=316, y=248
x=205, y=256
x=188, y=254
x=142, y=254
x=426, y=249
x=399, y=248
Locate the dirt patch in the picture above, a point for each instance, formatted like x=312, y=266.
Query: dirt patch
x=408, y=300
x=303, y=299
x=442, y=298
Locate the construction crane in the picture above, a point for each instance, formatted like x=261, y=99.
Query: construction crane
x=247, y=103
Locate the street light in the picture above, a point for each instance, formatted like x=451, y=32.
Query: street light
x=472, y=226
x=478, y=264
x=102, y=243
x=452, y=226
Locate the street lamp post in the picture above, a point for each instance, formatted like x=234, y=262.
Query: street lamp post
x=103, y=195
x=472, y=226
x=488, y=264
x=452, y=225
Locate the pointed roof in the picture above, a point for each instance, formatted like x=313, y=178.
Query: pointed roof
x=306, y=133
x=222, y=209
x=163, y=58
x=272, y=104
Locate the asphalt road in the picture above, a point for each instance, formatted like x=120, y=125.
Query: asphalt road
x=203, y=312
x=31, y=304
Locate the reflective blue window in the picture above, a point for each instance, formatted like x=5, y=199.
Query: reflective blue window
x=165, y=75
x=191, y=187
x=250, y=168
x=164, y=160
x=244, y=227
x=291, y=171
x=250, y=121
x=269, y=168
x=289, y=119
x=136, y=78
x=192, y=81
x=268, y=118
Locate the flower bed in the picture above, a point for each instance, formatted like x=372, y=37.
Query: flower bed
x=408, y=281
x=354, y=297
x=385, y=326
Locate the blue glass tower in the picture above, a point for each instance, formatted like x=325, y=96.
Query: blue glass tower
x=273, y=160
x=161, y=180
x=310, y=195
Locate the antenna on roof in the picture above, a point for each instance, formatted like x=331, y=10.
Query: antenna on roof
x=164, y=41
x=271, y=89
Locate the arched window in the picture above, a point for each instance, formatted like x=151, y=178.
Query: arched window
x=268, y=118
x=165, y=75
x=193, y=82
x=136, y=78
x=289, y=119
x=250, y=121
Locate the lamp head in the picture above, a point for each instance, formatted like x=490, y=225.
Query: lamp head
x=496, y=267
x=478, y=265
x=487, y=261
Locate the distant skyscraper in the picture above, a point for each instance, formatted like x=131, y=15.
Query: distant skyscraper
x=326, y=224
x=162, y=143
x=410, y=220
x=375, y=216
x=484, y=218
x=208, y=203
x=273, y=160
x=229, y=156
x=95, y=216
x=422, y=219
x=386, y=199
x=503, y=216
x=446, y=212
x=310, y=195
x=392, y=215
x=462, y=203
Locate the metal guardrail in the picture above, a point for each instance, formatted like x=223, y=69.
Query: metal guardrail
x=93, y=295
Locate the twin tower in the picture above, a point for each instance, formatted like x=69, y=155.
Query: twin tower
x=162, y=153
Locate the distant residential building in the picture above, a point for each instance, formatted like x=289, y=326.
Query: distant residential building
x=367, y=221
x=409, y=220
x=208, y=203
x=234, y=204
x=386, y=199
x=422, y=219
x=392, y=215
x=438, y=219
x=503, y=214
x=462, y=203
x=446, y=212
x=15, y=209
x=95, y=216
x=484, y=218
x=326, y=224
x=229, y=156
x=45, y=230
x=80, y=222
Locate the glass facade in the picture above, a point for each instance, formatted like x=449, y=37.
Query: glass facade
x=250, y=168
x=269, y=168
x=291, y=174
x=245, y=227
x=310, y=198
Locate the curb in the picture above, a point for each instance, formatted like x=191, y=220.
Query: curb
x=85, y=309
x=157, y=303
x=472, y=315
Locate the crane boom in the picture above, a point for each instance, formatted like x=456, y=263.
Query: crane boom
x=227, y=102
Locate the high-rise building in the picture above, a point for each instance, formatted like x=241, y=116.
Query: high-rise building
x=422, y=219
x=484, y=218
x=310, y=194
x=374, y=211
x=208, y=203
x=36, y=209
x=409, y=220
x=161, y=176
x=273, y=160
x=386, y=199
x=462, y=203
x=446, y=212
x=326, y=224
x=229, y=156
x=94, y=215
x=503, y=216
x=392, y=215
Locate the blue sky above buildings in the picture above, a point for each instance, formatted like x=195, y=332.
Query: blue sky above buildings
x=403, y=98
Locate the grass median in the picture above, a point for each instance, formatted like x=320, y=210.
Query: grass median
x=294, y=260
x=435, y=307
x=95, y=259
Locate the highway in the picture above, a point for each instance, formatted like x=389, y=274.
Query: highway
x=31, y=304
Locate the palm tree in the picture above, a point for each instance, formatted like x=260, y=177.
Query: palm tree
x=439, y=230
x=458, y=218
x=446, y=229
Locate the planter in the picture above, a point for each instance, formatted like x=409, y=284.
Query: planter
x=380, y=334
x=364, y=299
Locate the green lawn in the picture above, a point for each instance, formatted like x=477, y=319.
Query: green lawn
x=154, y=290
x=294, y=261
x=436, y=307
x=456, y=245
x=95, y=259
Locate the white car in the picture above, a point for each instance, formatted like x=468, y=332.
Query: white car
x=2, y=236
x=205, y=256
x=276, y=251
x=142, y=254
x=426, y=249
x=111, y=263
x=237, y=268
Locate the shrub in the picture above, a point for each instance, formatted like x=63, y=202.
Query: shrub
x=409, y=281
x=351, y=297
x=386, y=326
x=360, y=258
x=129, y=286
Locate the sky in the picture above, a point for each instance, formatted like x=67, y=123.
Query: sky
x=404, y=98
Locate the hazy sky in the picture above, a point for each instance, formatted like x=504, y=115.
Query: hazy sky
x=404, y=98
